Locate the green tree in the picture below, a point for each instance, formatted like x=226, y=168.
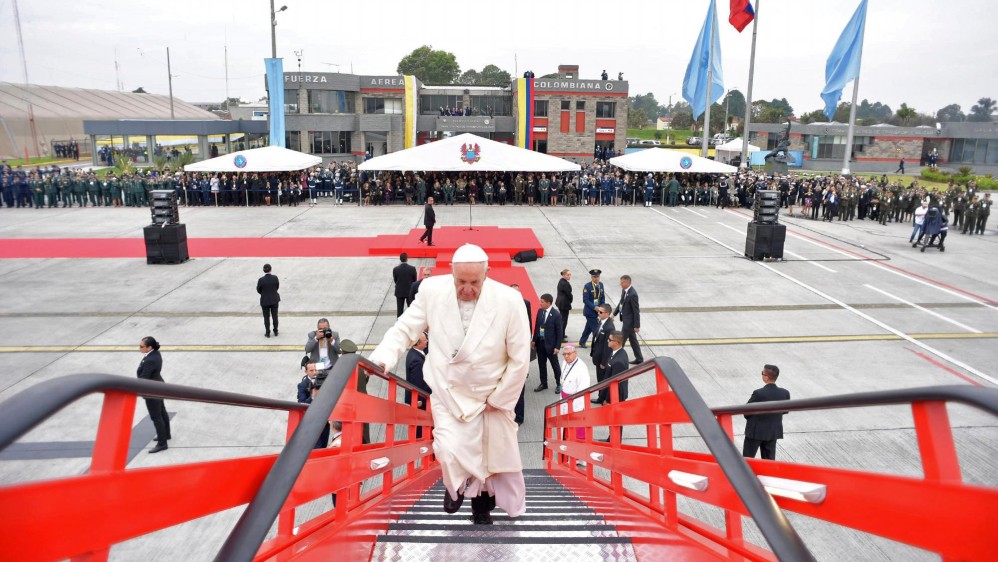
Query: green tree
x=647, y=103
x=816, y=116
x=905, y=115
x=982, y=110
x=429, y=66
x=682, y=116
x=470, y=78
x=735, y=102
x=637, y=119
x=716, y=120
x=775, y=111
x=492, y=75
x=873, y=113
x=658, y=135
x=951, y=112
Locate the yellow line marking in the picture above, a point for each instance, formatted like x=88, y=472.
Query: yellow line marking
x=647, y=343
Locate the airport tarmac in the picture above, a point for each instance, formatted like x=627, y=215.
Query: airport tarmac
x=852, y=308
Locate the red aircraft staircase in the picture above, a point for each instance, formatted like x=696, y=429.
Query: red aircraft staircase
x=592, y=501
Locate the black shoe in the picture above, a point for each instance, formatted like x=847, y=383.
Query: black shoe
x=431, y=244
x=637, y=362
x=451, y=506
x=541, y=387
x=159, y=447
x=600, y=402
x=557, y=389
x=266, y=335
x=582, y=345
x=275, y=332
x=481, y=517
x=607, y=440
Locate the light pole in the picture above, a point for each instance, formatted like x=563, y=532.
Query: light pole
x=273, y=29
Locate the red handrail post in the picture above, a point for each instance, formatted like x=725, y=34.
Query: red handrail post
x=286, y=519
x=935, y=442
x=732, y=520
x=114, y=432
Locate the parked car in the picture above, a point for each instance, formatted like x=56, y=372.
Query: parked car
x=633, y=140
x=719, y=138
x=648, y=142
x=693, y=140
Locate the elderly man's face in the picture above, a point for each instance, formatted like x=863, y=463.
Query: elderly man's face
x=468, y=279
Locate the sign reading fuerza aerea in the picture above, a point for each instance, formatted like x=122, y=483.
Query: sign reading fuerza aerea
x=581, y=85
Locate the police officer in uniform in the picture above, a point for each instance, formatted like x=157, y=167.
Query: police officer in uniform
x=593, y=294
x=983, y=212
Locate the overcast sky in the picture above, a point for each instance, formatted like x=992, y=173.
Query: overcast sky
x=925, y=53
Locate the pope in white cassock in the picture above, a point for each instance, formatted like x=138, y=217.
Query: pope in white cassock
x=476, y=365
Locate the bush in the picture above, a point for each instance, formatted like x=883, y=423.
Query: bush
x=935, y=175
x=962, y=177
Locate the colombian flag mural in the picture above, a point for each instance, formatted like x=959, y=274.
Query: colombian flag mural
x=525, y=113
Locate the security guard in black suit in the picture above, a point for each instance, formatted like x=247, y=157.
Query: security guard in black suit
x=267, y=286
x=150, y=369
x=762, y=430
x=404, y=275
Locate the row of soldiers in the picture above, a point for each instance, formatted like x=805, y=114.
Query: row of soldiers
x=40, y=189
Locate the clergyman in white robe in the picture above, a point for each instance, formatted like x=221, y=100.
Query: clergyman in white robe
x=476, y=365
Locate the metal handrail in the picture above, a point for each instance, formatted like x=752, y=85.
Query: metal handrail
x=24, y=411
x=985, y=399
x=776, y=529
x=254, y=524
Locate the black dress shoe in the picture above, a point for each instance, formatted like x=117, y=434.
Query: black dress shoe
x=557, y=389
x=451, y=506
x=600, y=402
x=636, y=362
x=541, y=387
x=481, y=517
x=159, y=447
x=266, y=335
x=275, y=332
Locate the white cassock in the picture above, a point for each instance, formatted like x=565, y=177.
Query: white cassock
x=574, y=378
x=479, y=353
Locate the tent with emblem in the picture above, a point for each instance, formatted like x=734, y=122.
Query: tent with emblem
x=732, y=149
x=265, y=159
x=665, y=160
x=468, y=153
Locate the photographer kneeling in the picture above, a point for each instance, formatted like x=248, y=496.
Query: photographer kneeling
x=323, y=347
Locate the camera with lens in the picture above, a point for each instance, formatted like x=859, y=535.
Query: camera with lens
x=320, y=379
x=327, y=333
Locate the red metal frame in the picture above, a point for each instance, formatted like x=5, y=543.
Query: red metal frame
x=111, y=504
x=938, y=513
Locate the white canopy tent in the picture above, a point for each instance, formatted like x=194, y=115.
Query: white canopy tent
x=265, y=159
x=665, y=160
x=471, y=153
x=727, y=151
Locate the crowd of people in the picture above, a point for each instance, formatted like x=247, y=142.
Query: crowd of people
x=815, y=197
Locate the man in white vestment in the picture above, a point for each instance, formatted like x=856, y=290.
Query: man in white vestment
x=476, y=365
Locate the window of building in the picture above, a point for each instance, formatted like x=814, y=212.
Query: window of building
x=606, y=109
x=329, y=142
x=580, y=106
x=292, y=140
x=492, y=105
x=541, y=108
x=827, y=146
x=391, y=106
x=541, y=145
x=330, y=101
x=975, y=151
x=566, y=105
x=437, y=104
x=290, y=101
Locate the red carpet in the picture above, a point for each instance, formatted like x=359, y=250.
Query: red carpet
x=499, y=243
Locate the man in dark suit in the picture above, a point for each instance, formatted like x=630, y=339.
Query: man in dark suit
x=630, y=316
x=600, y=351
x=306, y=392
x=564, y=300
x=269, y=297
x=414, y=290
x=429, y=219
x=414, y=360
x=150, y=369
x=404, y=276
x=762, y=430
x=616, y=363
x=323, y=346
x=547, y=342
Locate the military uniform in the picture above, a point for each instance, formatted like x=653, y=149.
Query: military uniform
x=593, y=295
x=970, y=220
x=37, y=189
x=983, y=212
x=51, y=189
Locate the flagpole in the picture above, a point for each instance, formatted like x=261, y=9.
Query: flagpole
x=852, y=125
x=748, y=101
x=710, y=79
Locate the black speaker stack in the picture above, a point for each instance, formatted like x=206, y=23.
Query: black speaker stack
x=765, y=237
x=166, y=237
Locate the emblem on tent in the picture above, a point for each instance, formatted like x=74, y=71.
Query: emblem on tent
x=239, y=161
x=685, y=162
x=471, y=153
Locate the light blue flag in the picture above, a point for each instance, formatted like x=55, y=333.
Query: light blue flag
x=695, y=81
x=843, y=64
x=275, y=91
